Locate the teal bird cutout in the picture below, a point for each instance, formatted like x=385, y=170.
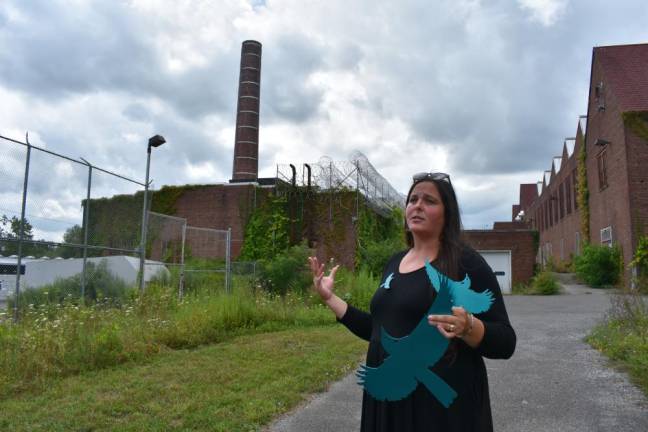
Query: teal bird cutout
x=387, y=281
x=411, y=356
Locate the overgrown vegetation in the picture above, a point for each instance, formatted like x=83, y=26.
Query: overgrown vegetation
x=378, y=239
x=287, y=272
x=598, y=266
x=640, y=262
x=267, y=231
x=582, y=193
x=543, y=283
x=55, y=339
x=623, y=337
x=238, y=385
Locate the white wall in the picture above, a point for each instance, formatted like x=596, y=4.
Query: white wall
x=39, y=272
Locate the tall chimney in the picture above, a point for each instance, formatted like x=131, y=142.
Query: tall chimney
x=246, y=141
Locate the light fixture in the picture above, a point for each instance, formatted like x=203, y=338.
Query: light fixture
x=601, y=142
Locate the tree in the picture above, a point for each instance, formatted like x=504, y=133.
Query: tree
x=73, y=235
x=10, y=233
x=10, y=229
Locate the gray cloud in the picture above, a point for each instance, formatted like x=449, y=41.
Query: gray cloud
x=488, y=83
x=286, y=67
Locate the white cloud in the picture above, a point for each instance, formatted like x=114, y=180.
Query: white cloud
x=546, y=12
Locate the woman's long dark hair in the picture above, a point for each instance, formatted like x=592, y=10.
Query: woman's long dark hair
x=451, y=242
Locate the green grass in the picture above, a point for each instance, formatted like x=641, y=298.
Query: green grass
x=237, y=385
x=623, y=337
x=59, y=340
x=63, y=340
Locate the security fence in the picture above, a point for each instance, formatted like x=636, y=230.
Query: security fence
x=195, y=257
x=357, y=174
x=46, y=220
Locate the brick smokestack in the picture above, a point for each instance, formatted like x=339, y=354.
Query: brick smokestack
x=246, y=141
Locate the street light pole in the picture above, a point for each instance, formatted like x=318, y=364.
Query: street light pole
x=154, y=141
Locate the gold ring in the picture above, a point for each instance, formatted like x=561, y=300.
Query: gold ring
x=452, y=327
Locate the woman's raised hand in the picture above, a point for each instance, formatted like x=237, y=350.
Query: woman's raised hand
x=323, y=284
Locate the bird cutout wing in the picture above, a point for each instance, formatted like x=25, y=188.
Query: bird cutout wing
x=462, y=295
x=472, y=301
x=387, y=282
x=390, y=381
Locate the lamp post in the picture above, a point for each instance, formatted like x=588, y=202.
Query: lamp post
x=154, y=141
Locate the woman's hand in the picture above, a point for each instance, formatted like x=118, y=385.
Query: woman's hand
x=456, y=325
x=323, y=284
x=324, y=287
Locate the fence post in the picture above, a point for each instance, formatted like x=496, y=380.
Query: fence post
x=143, y=235
x=86, y=218
x=182, y=263
x=21, y=233
x=228, y=268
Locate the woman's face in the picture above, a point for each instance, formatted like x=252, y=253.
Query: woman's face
x=425, y=211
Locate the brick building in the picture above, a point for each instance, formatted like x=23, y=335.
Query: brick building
x=614, y=138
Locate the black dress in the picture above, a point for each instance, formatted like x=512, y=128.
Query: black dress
x=399, y=309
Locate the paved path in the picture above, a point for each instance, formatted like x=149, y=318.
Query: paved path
x=554, y=382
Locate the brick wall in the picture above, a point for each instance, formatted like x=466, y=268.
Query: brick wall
x=609, y=205
x=554, y=213
x=220, y=207
x=637, y=184
x=520, y=242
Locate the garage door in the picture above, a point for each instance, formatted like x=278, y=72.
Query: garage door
x=500, y=262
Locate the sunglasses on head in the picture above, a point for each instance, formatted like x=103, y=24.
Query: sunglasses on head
x=437, y=176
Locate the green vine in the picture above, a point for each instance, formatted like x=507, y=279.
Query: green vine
x=164, y=200
x=378, y=238
x=637, y=122
x=582, y=194
x=640, y=258
x=267, y=232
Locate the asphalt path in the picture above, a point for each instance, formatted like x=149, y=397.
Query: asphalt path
x=553, y=382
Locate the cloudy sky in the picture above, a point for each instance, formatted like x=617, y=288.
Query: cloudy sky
x=483, y=90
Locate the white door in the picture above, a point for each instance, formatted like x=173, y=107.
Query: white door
x=500, y=262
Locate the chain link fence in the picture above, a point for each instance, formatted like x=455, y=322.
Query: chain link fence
x=50, y=233
x=197, y=258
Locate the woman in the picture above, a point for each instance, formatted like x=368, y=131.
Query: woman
x=401, y=308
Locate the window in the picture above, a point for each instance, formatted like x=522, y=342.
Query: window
x=568, y=195
x=577, y=245
x=575, y=188
x=599, y=96
x=606, y=236
x=601, y=160
x=561, y=194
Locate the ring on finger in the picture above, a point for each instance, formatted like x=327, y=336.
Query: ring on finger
x=451, y=327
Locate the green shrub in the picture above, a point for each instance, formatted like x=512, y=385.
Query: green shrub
x=356, y=289
x=545, y=283
x=288, y=271
x=598, y=266
x=640, y=262
x=375, y=255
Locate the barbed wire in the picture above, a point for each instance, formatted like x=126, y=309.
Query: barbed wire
x=355, y=174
